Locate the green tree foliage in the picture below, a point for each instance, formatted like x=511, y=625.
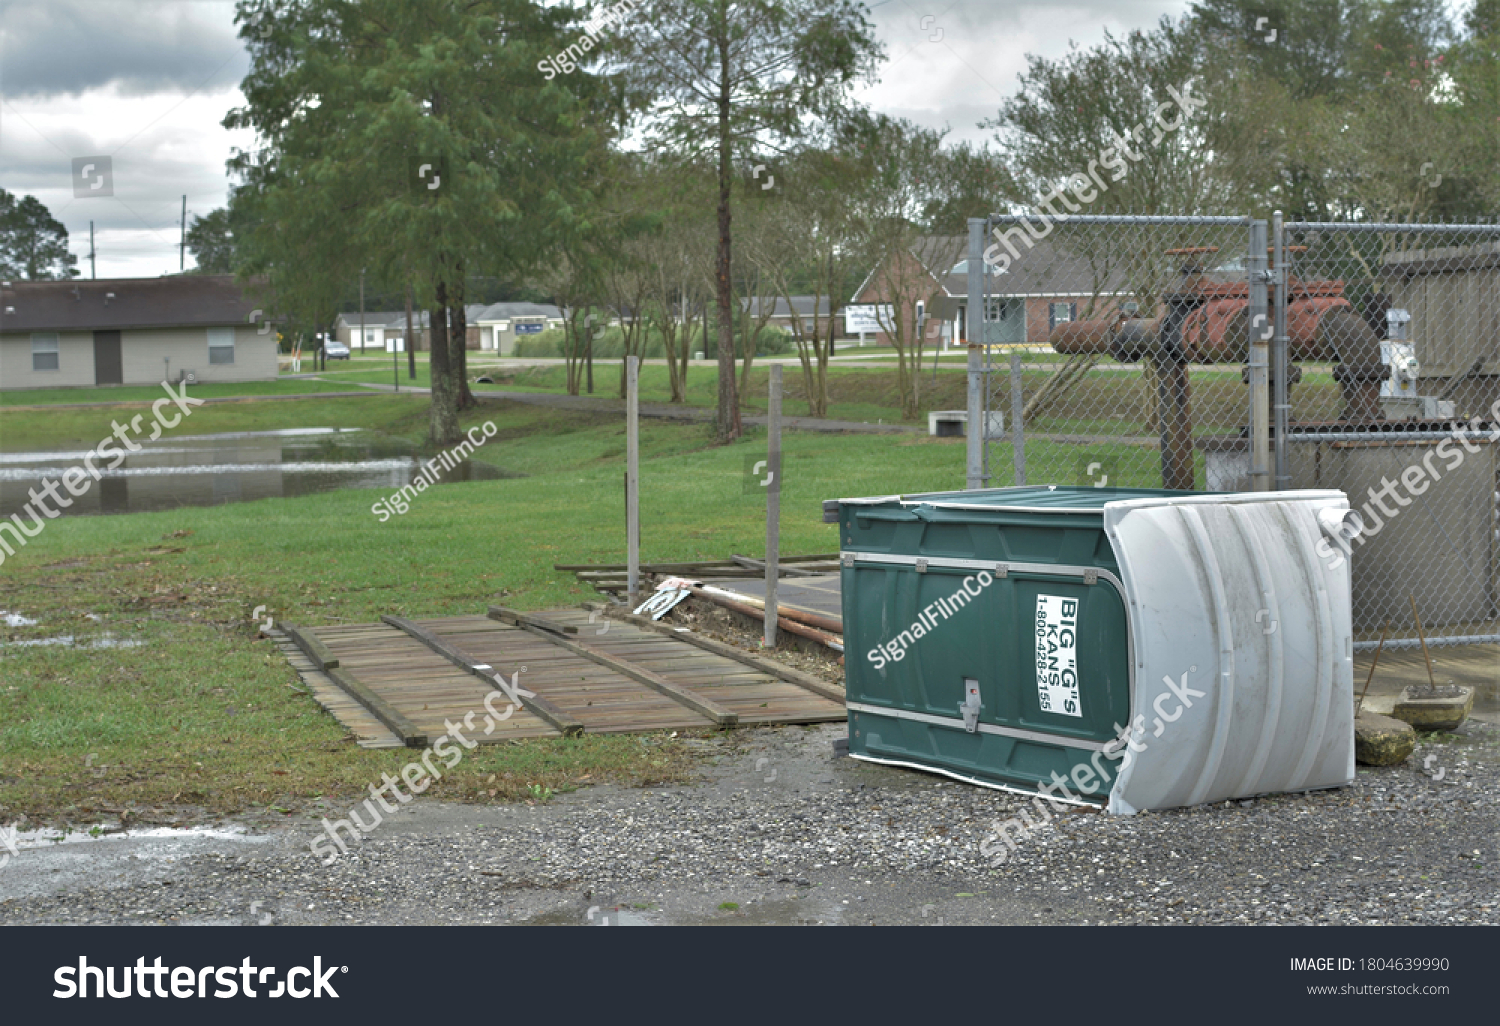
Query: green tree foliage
x=728, y=79
x=1125, y=113
x=211, y=242
x=417, y=141
x=1325, y=109
x=33, y=243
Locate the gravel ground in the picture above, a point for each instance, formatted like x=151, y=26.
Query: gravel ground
x=782, y=831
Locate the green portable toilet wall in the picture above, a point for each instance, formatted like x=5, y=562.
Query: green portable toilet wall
x=1002, y=637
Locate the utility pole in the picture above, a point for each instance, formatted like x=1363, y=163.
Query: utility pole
x=182, y=246
x=361, y=311
x=92, y=269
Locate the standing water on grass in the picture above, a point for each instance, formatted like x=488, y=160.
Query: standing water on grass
x=239, y=466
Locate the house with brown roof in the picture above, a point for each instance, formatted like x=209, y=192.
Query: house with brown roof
x=132, y=331
x=1027, y=298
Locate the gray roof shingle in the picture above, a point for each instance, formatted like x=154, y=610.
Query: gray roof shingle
x=176, y=301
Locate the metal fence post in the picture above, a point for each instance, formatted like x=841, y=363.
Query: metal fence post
x=975, y=428
x=1279, y=370
x=1260, y=333
x=632, y=479
x=773, y=503
x=1017, y=425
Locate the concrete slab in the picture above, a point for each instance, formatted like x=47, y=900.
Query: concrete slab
x=1477, y=666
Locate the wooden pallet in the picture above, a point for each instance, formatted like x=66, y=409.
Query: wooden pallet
x=587, y=674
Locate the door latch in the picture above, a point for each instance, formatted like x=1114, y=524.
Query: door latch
x=970, y=706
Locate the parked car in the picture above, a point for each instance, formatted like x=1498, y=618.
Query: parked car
x=335, y=351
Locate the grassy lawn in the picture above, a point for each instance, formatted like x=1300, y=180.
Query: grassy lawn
x=194, y=712
x=148, y=393
x=1110, y=400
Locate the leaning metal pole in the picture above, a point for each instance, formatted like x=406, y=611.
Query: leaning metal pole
x=974, y=428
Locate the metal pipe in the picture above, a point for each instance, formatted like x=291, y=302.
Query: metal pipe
x=632, y=479
x=1403, y=643
x=1260, y=399
x=1130, y=219
x=974, y=323
x=773, y=502
x=790, y=626
x=1281, y=405
x=1385, y=226
x=1017, y=420
x=1390, y=436
x=832, y=625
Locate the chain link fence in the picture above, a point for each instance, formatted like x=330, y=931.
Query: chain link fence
x=1411, y=357
x=1109, y=322
x=1126, y=347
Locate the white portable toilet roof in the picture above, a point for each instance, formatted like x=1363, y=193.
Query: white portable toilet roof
x=1243, y=642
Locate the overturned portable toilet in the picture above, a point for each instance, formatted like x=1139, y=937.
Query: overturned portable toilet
x=1144, y=648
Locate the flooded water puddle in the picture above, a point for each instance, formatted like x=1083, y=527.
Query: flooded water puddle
x=808, y=911
x=106, y=640
x=22, y=840
x=237, y=466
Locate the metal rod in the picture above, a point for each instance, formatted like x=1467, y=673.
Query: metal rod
x=1390, y=436
x=1373, y=663
x=1396, y=644
x=1281, y=408
x=1386, y=226
x=1128, y=219
x=1431, y=681
x=773, y=503
x=974, y=325
x=974, y=434
x=632, y=480
x=182, y=246
x=1260, y=369
x=1017, y=419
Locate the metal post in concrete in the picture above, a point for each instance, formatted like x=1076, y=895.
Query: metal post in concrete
x=632, y=479
x=773, y=502
x=1017, y=421
x=1261, y=329
x=975, y=428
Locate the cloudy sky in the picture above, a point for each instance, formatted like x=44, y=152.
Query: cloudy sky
x=146, y=84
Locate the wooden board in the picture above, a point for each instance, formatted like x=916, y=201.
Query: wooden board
x=424, y=684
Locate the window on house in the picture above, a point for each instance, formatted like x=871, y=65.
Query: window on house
x=1061, y=313
x=44, y=356
x=369, y=336
x=220, y=345
x=999, y=309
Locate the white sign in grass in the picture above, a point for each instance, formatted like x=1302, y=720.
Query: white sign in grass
x=866, y=318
